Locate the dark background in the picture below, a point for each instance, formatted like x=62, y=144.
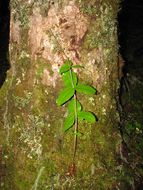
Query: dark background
x=131, y=36
x=4, y=39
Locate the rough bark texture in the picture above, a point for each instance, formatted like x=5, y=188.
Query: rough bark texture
x=36, y=153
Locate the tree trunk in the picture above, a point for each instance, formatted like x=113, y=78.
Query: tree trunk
x=36, y=152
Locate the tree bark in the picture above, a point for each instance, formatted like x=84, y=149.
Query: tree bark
x=36, y=153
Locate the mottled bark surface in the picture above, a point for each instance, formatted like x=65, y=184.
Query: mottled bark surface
x=36, y=152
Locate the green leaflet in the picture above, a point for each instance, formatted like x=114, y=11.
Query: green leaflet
x=66, y=66
x=70, y=79
x=88, y=116
x=86, y=89
x=69, y=122
x=65, y=95
x=71, y=106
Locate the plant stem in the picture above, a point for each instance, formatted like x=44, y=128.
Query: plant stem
x=76, y=128
x=76, y=120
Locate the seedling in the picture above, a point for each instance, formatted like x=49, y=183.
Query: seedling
x=68, y=95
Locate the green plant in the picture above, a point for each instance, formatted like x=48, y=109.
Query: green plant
x=72, y=86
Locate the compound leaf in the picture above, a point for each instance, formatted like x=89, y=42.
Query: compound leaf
x=87, y=116
x=70, y=78
x=86, y=89
x=66, y=66
x=65, y=95
x=72, y=104
x=69, y=122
